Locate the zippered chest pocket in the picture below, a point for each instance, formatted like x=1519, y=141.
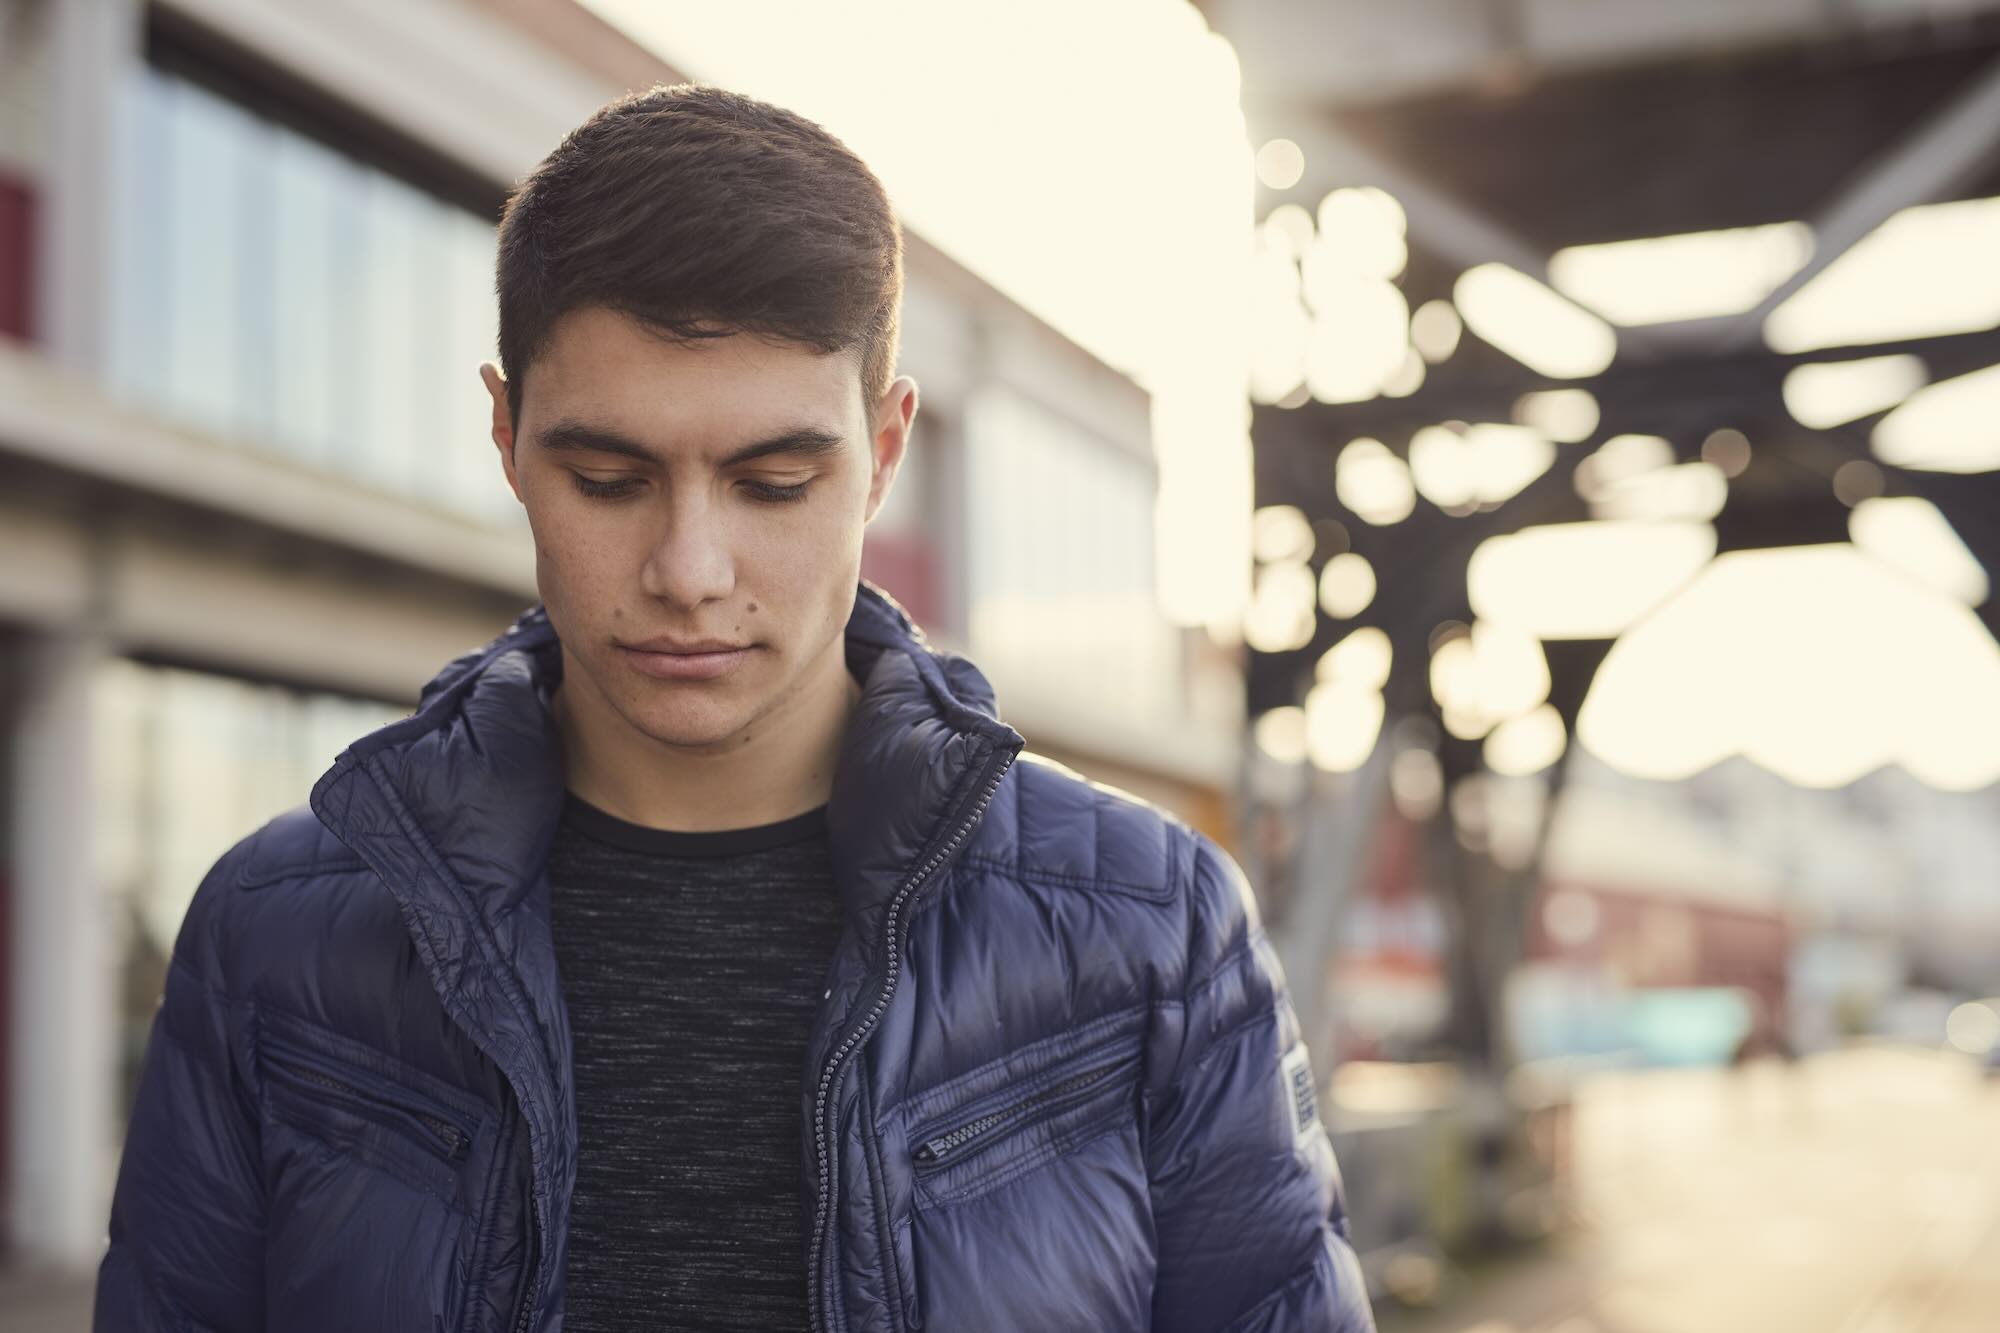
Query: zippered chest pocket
x=366, y=1105
x=962, y=1153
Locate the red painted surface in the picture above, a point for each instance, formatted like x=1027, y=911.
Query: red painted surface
x=904, y=566
x=17, y=255
x=1650, y=940
x=6, y=1041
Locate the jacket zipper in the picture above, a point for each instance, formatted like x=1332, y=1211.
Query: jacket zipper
x=822, y=1311
x=532, y=1269
x=439, y=1135
x=933, y=1151
x=534, y=1272
x=516, y=1001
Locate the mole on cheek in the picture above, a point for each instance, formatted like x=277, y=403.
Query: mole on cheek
x=753, y=608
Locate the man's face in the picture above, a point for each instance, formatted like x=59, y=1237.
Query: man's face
x=697, y=510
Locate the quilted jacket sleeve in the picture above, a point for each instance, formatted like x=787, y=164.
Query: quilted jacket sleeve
x=1251, y=1228
x=186, y=1220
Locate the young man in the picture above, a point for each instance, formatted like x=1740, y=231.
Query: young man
x=702, y=953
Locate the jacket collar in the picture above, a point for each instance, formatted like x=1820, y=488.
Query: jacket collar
x=472, y=782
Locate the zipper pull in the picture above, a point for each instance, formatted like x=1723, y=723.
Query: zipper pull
x=931, y=1151
x=454, y=1137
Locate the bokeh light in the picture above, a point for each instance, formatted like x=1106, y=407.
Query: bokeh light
x=1583, y=580
x=1407, y=378
x=1829, y=393
x=1728, y=449
x=1374, y=483
x=1346, y=585
x=1696, y=275
x=1816, y=662
x=1281, y=617
x=1526, y=744
x=1925, y=272
x=1435, y=329
x=1361, y=232
x=1359, y=661
x=1281, y=733
x=1683, y=491
x=1342, y=723
x=1478, y=466
x=1279, y=534
x=1534, y=325
x=1945, y=427
x=1973, y=1027
x=1567, y=416
x=1280, y=164
x=1290, y=229
x=1620, y=459
x=1909, y=535
x=1491, y=675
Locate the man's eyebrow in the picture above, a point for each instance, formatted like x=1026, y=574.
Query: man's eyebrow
x=574, y=437
x=809, y=441
x=806, y=441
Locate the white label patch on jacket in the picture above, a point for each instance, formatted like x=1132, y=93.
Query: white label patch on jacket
x=1295, y=1070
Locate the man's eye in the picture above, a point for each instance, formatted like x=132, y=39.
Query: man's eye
x=604, y=490
x=771, y=493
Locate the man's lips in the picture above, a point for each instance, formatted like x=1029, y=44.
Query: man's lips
x=665, y=643
x=685, y=659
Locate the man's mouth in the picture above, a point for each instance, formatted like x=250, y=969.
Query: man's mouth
x=667, y=658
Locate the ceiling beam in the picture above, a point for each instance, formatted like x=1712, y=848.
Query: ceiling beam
x=1697, y=383
x=1934, y=161
x=1441, y=224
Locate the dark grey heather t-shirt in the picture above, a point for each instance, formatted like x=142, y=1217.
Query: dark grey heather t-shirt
x=691, y=964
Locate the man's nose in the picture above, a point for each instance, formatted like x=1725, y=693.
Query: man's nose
x=690, y=561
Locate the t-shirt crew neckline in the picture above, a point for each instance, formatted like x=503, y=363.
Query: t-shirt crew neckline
x=592, y=822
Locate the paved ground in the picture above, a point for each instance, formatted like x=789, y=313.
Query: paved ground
x=1856, y=1193
x=33, y=1302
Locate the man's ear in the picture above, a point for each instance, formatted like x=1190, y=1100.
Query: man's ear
x=890, y=437
x=503, y=422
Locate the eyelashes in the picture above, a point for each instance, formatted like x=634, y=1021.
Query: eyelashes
x=770, y=494
x=603, y=490
x=761, y=491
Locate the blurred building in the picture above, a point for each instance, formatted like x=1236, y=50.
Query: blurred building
x=248, y=503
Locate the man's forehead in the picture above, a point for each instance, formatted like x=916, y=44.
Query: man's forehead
x=592, y=335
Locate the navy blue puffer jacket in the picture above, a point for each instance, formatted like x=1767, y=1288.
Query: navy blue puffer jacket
x=1054, y=1083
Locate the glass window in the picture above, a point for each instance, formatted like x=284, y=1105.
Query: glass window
x=388, y=385
x=469, y=464
x=255, y=262
x=283, y=294
x=311, y=361
x=1059, y=561
x=143, y=233
x=205, y=244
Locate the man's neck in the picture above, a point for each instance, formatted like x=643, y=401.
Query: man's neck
x=785, y=768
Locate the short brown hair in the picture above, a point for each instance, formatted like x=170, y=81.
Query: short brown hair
x=701, y=213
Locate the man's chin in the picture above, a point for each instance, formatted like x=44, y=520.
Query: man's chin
x=688, y=728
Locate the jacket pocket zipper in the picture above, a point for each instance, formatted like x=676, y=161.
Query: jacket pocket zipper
x=426, y=1125
x=961, y=1142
